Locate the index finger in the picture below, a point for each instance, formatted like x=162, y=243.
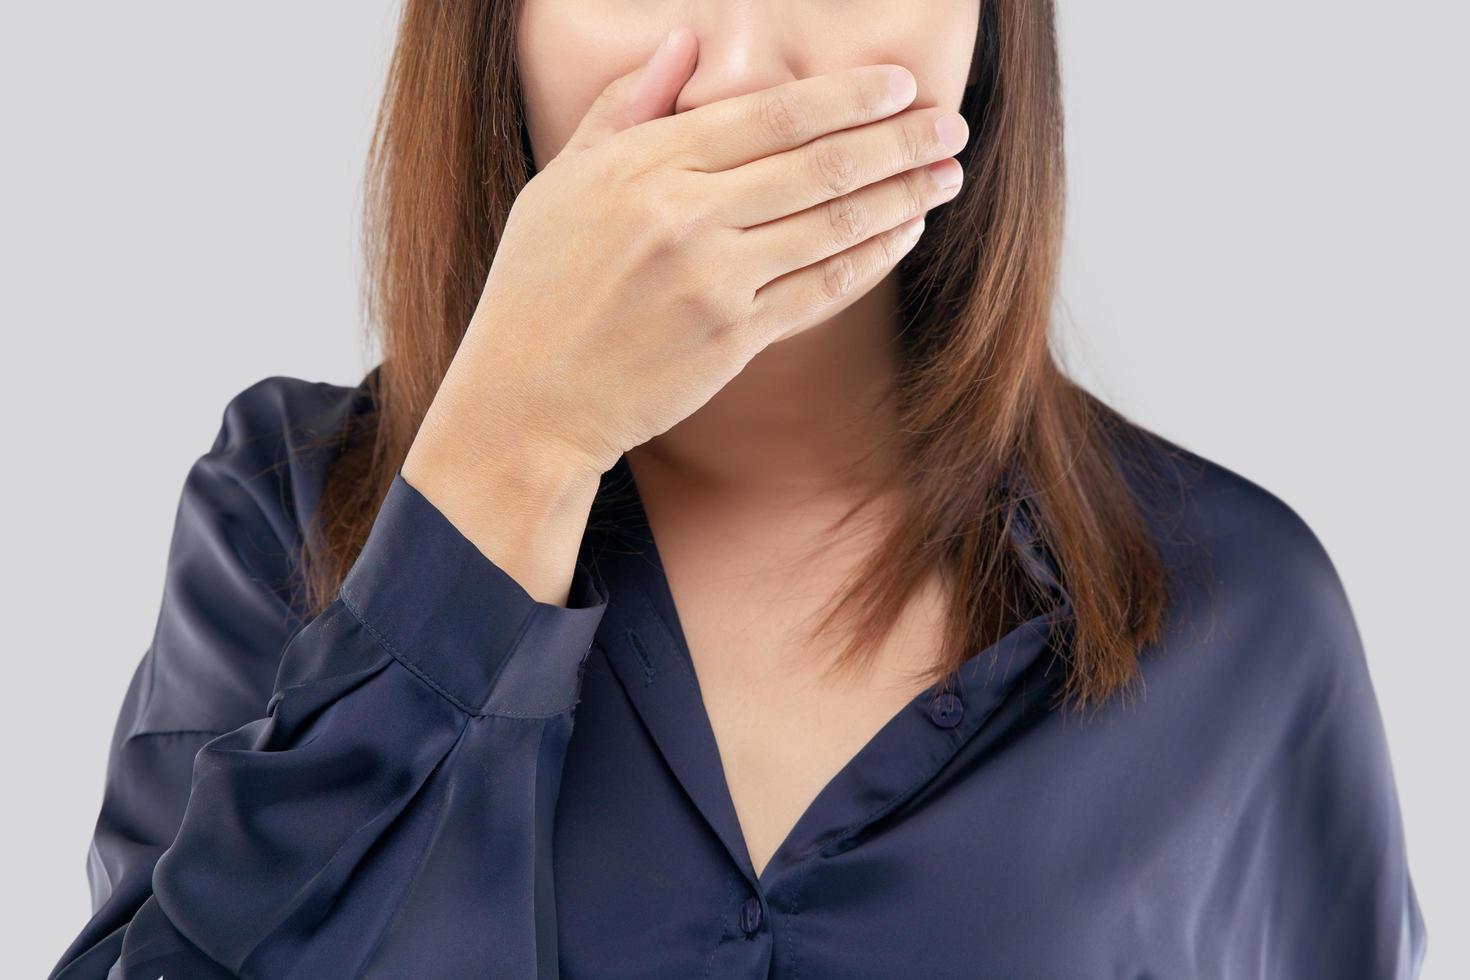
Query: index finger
x=732, y=132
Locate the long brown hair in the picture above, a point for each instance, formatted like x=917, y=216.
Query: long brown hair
x=992, y=433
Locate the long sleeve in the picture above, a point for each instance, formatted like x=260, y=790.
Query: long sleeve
x=1337, y=885
x=384, y=807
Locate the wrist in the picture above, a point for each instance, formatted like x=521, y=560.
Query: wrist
x=523, y=504
x=528, y=480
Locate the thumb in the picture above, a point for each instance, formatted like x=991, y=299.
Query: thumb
x=645, y=93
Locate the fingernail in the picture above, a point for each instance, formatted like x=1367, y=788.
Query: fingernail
x=947, y=173
x=952, y=130
x=901, y=86
x=668, y=39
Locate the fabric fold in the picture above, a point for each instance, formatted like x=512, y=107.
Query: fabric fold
x=415, y=729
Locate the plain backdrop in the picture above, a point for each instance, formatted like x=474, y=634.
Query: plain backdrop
x=1265, y=262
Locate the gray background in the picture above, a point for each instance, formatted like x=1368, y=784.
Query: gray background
x=1265, y=262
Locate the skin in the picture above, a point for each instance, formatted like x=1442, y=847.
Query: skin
x=755, y=475
x=795, y=420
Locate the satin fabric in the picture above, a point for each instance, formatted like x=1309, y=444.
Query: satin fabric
x=441, y=777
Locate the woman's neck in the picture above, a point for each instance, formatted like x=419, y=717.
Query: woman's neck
x=803, y=418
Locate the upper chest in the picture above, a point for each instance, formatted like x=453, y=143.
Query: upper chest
x=943, y=850
x=959, y=844
x=748, y=600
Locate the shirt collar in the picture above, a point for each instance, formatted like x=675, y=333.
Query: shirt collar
x=643, y=641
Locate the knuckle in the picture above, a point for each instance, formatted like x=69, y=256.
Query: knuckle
x=674, y=216
x=688, y=147
x=677, y=225
x=914, y=144
x=833, y=167
x=700, y=201
x=783, y=117
x=725, y=319
x=891, y=248
x=870, y=100
x=836, y=279
x=848, y=220
x=915, y=189
x=623, y=162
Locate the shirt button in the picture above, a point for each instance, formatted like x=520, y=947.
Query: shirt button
x=750, y=916
x=946, y=710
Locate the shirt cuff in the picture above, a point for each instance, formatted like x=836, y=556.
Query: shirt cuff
x=444, y=609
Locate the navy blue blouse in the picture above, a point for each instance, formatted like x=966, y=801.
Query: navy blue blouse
x=395, y=788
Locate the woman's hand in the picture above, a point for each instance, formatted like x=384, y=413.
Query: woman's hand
x=652, y=258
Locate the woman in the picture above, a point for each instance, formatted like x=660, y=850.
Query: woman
x=939, y=667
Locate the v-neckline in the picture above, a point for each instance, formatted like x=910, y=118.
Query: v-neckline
x=643, y=638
